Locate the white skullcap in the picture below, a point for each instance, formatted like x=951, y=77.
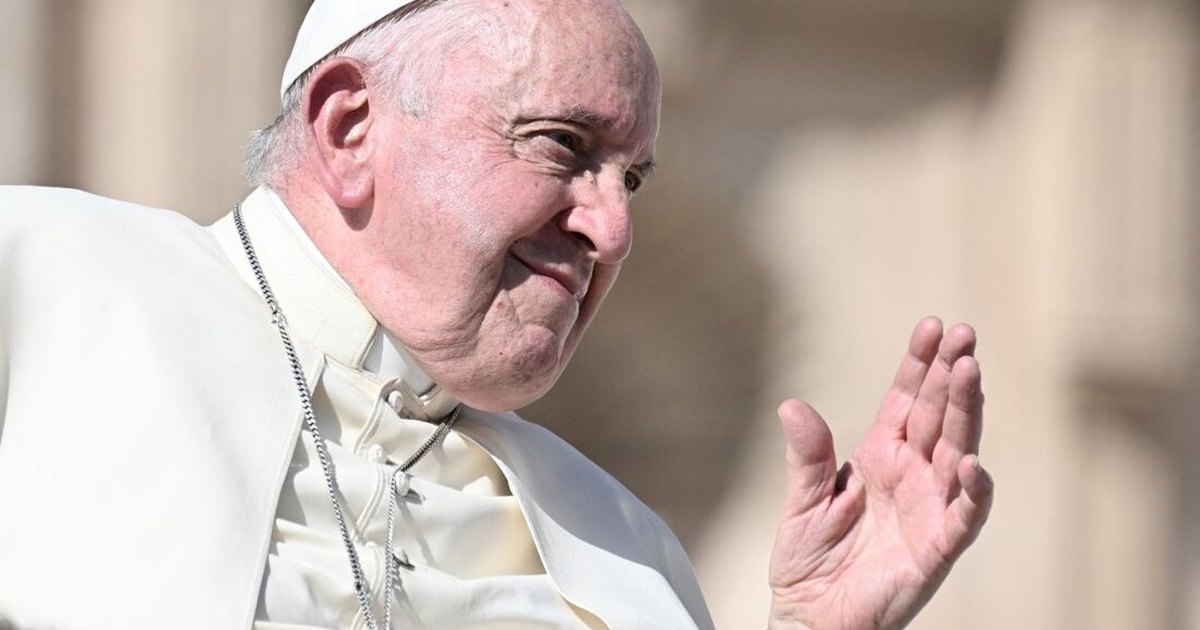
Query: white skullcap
x=328, y=25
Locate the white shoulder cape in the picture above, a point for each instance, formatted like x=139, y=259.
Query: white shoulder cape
x=147, y=420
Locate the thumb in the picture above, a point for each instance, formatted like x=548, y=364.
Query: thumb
x=811, y=460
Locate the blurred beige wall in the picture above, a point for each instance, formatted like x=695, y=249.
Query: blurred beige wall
x=831, y=172
x=142, y=100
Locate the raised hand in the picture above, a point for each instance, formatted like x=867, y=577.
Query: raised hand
x=866, y=546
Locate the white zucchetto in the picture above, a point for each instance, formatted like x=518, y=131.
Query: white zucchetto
x=328, y=25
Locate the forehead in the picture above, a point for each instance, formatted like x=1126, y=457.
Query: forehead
x=577, y=45
x=583, y=58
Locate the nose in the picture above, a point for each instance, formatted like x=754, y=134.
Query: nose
x=601, y=215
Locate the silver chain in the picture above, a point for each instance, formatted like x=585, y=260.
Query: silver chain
x=361, y=588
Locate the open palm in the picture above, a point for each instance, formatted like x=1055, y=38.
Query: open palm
x=866, y=546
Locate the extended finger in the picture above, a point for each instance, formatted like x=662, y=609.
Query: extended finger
x=967, y=514
x=811, y=460
x=963, y=425
x=922, y=350
x=929, y=409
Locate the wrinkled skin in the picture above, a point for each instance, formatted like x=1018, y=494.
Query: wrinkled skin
x=868, y=548
x=497, y=221
x=485, y=231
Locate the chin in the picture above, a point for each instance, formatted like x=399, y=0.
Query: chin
x=512, y=371
x=510, y=387
x=504, y=398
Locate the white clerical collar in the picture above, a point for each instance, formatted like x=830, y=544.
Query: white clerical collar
x=310, y=248
x=385, y=356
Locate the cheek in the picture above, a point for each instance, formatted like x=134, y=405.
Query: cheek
x=518, y=197
x=603, y=278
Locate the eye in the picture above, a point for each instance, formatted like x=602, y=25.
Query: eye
x=567, y=139
x=632, y=181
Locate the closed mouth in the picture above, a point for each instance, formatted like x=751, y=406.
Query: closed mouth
x=572, y=283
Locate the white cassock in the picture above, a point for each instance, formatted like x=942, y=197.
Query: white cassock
x=153, y=471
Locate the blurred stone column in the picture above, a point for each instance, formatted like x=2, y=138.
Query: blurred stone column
x=1054, y=208
x=168, y=92
x=24, y=68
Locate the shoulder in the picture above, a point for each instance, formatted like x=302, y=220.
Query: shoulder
x=548, y=470
x=530, y=448
x=578, y=511
x=549, y=467
x=72, y=236
x=81, y=219
x=53, y=205
x=79, y=266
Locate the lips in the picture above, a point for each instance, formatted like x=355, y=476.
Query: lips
x=573, y=280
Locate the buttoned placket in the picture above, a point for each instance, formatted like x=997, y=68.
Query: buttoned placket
x=389, y=409
x=406, y=496
x=460, y=576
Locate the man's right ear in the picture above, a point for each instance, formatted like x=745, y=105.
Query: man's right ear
x=337, y=115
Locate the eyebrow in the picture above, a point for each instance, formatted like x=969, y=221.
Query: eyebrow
x=577, y=114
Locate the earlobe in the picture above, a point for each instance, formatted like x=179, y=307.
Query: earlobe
x=338, y=117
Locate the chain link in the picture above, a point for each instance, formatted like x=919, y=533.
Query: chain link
x=361, y=588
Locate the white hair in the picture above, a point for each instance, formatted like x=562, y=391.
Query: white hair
x=401, y=54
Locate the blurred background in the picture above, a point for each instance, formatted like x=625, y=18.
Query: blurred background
x=831, y=172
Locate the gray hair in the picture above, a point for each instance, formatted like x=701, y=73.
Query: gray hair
x=395, y=53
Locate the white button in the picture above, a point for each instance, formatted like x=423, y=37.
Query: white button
x=377, y=454
x=396, y=400
x=403, y=483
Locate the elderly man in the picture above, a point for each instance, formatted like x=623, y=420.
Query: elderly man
x=298, y=417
